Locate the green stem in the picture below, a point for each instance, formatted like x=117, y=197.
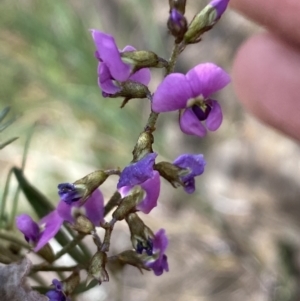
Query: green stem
x=69, y=246
x=16, y=197
x=50, y=268
x=113, y=202
x=177, y=49
x=4, y=197
x=9, y=237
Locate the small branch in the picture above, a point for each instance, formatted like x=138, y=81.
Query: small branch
x=69, y=246
x=49, y=268
x=108, y=230
x=9, y=237
x=113, y=202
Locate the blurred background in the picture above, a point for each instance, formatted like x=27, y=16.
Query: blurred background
x=236, y=238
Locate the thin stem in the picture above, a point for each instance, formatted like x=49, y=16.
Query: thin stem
x=177, y=49
x=4, y=197
x=69, y=246
x=9, y=237
x=50, y=268
x=16, y=197
x=113, y=201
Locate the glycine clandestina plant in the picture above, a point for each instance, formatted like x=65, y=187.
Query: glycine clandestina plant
x=126, y=73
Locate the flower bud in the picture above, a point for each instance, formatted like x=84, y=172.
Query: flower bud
x=71, y=283
x=143, y=59
x=128, y=203
x=130, y=89
x=171, y=173
x=143, y=146
x=177, y=24
x=97, y=268
x=82, y=188
x=141, y=235
x=205, y=20
x=132, y=258
x=46, y=252
x=83, y=225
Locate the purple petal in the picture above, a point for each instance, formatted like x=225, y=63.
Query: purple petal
x=215, y=116
x=128, y=48
x=68, y=193
x=65, y=211
x=205, y=79
x=190, y=186
x=109, y=54
x=172, y=94
x=176, y=17
x=52, y=223
x=94, y=207
x=28, y=227
x=160, y=241
x=160, y=265
x=190, y=124
x=138, y=172
x=195, y=163
x=105, y=80
x=220, y=6
x=152, y=189
x=142, y=76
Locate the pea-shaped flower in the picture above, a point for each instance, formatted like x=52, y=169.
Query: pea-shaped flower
x=191, y=93
x=112, y=69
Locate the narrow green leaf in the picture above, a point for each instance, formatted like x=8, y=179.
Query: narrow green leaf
x=3, y=113
x=7, y=124
x=37, y=200
x=2, y=145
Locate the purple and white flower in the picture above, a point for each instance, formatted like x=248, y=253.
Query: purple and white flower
x=194, y=166
x=220, y=7
x=112, y=70
x=191, y=93
x=40, y=233
x=158, y=262
x=151, y=188
x=137, y=172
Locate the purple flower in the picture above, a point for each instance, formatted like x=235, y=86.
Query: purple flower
x=194, y=165
x=151, y=189
x=112, y=70
x=57, y=293
x=220, y=6
x=28, y=227
x=49, y=225
x=159, y=261
x=137, y=172
x=191, y=94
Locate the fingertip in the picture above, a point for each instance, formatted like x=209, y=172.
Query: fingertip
x=266, y=77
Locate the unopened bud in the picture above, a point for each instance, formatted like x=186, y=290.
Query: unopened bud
x=97, y=268
x=205, y=20
x=71, y=283
x=143, y=59
x=141, y=235
x=171, y=173
x=46, y=252
x=177, y=24
x=83, y=225
x=132, y=258
x=129, y=203
x=129, y=90
x=90, y=182
x=143, y=146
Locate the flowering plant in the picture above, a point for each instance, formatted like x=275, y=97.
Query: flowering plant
x=81, y=210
